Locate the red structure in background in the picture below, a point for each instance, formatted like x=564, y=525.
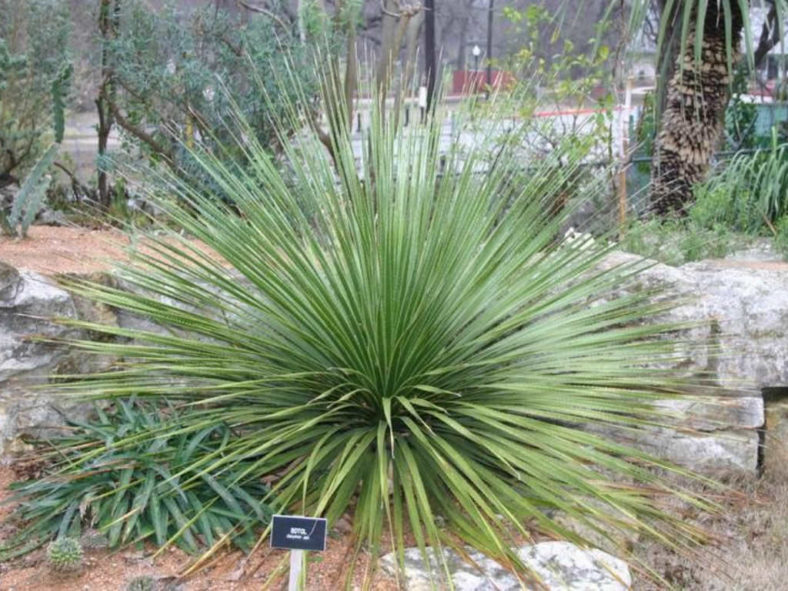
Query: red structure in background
x=475, y=81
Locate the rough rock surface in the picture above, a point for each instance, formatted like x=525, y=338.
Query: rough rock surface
x=776, y=441
x=738, y=340
x=740, y=309
x=28, y=302
x=558, y=566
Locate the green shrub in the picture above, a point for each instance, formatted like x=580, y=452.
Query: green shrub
x=34, y=80
x=136, y=474
x=679, y=241
x=403, y=351
x=741, y=115
x=749, y=195
x=179, y=73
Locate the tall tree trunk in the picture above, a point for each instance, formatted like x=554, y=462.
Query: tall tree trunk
x=463, y=42
x=693, y=119
x=109, y=17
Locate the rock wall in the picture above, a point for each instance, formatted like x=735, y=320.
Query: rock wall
x=739, y=340
x=739, y=311
x=28, y=302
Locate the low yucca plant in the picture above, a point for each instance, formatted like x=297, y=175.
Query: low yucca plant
x=403, y=337
x=135, y=474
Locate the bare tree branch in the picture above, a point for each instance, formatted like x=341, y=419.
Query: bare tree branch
x=140, y=134
x=771, y=35
x=266, y=12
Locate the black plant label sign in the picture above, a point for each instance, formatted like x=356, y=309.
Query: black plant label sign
x=299, y=533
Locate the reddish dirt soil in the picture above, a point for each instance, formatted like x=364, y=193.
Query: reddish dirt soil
x=231, y=571
x=53, y=250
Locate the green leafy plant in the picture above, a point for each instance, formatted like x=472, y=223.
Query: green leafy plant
x=679, y=241
x=35, y=77
x=749, y=194
x=399, y=350
x=136, y=474
x=64, y=555
x=30, y=198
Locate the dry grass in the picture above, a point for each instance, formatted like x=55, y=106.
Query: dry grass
x=751, y=547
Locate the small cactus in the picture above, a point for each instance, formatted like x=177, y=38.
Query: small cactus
x=143, y=583
x=64, y=555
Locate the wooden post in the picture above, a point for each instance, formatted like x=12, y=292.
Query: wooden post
x=296, y=566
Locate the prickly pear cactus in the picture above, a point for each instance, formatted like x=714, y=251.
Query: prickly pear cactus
x=65, y=555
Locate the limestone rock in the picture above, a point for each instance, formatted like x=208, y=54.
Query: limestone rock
x=558, y=565
x=775, y=454
x=9, y=282
x=29, y=302
x=51, y=217
x=739, y=308
x=28, y=314
x=739, y=339
x=714, y=413
x=721, y=451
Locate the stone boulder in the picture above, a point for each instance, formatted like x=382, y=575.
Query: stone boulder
x=28, y=358
x=740, y=313
x=557, y=565
x=775, y=451
x=738, y=339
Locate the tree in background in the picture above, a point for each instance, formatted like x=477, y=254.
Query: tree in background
x=697, y=95
x=34, y=76
x=108, y=24
x=170, y=77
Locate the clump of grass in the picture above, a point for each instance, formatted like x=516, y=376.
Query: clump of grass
x=748, y=195
x=751, y=540
x=677, y=241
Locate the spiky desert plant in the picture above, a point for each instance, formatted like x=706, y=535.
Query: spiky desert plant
x=130, y=473
x=64, y=555
x=405, y=339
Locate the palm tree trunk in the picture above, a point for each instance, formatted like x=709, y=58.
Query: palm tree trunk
x=693, y=119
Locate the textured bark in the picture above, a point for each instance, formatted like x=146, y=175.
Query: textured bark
x=109, y=21
x=693, y=119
